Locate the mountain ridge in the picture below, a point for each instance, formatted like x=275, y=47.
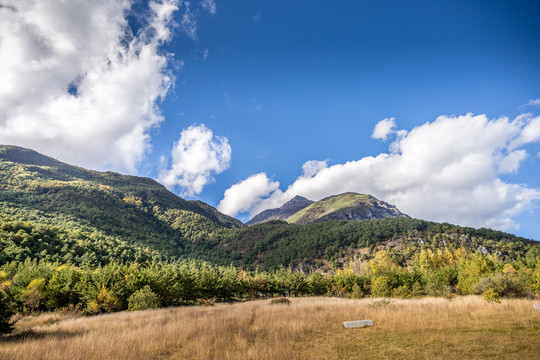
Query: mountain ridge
x=57, y=212
x=292, y=206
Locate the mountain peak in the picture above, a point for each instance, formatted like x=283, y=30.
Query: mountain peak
x=292, y=206
x=25, y=156
x=346, y=206
x=295, y=203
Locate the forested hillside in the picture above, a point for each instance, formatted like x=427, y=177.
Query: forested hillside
x=338, y=243
x=56, y=211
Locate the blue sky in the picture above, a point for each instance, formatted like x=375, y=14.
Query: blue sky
x=290, y=93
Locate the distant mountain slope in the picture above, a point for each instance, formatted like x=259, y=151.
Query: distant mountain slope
x=289, y=208
x=134, y=210
x=347, y=206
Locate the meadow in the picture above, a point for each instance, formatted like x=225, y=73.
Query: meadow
x=308, y=328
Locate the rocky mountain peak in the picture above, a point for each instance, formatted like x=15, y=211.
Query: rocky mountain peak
x=292, y=206
x=296, y=203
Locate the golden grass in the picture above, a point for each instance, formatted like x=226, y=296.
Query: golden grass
x=308, y=328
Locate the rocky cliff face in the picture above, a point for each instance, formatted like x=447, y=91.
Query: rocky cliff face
x=289, y=208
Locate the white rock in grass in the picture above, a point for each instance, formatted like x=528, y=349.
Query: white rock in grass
x=537, y=307
x=357, y=323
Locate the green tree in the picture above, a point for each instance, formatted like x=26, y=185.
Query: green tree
x=106, y=301
x=470, y=270
x=6, y=310
x=317, y=284
x=32, y=297
x=380, y=286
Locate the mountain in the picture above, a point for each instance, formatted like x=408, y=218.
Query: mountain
x=320, y=235
x=347, y=206
x=53, y=211
x=289, y=208
x=103, y=215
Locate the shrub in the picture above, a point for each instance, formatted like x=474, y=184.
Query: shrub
x=143, y=299
x=437, y=283
x=536, y=281
x=207, y=302
x=32, y=297
x=506, y=285
x=491, y=296
x=380, y=303
x=106, y=302
x=281, y=300
x=401, y=292
x=380, y=286
x=357, y=292
x=417, y=289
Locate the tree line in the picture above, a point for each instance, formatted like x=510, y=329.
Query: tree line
x=32, y=286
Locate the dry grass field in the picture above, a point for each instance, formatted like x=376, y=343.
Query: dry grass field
x=308, y=328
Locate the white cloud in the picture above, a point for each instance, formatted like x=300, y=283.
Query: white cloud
x=530, y=133
x=196, y=157
x=384, y=128
x=241, y=196
x=77, y=84
x=510, y=163
x=447, y=170
x=534, y=102
x=189, y=23
x=312, y=167
x=209, y=5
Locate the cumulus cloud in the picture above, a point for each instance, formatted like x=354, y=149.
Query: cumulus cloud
x=384, y=128
x=258, y=193
x=196, y=157
x=77, y=84
x=446, y=170
x=240, y=196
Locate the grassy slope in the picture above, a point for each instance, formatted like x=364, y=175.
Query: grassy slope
x=309, y=328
